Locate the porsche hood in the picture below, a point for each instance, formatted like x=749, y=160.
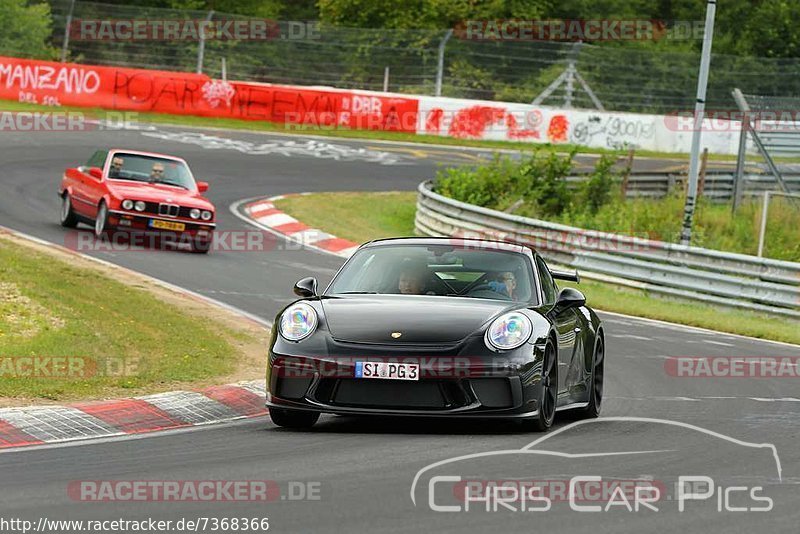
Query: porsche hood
x=417, y=319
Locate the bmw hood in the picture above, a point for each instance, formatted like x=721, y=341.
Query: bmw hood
x=417, y=319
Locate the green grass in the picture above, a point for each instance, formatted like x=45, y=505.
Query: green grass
x=345, y=133
x=343, y=214
x=121, y=339
x=714, y=226
x=364, y=216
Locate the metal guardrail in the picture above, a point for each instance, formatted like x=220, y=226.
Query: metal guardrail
x=718, y=185
x=729, y=279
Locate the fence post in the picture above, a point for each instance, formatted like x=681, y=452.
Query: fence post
x=440, y=64
x=626, y=173
x=738, y=186
x=65, y=46
x=201, y=48
x=386, y=79
x=763, y=229
x=702, y=180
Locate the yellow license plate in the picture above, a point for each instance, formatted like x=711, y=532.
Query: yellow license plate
x=167, y=225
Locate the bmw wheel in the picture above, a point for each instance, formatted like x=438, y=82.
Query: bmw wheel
x=68, y=218
x=101, y=220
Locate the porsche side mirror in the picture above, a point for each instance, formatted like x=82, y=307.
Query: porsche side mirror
x=96, y=172
x=202, y=187
x=569, y=298
x=307, y=287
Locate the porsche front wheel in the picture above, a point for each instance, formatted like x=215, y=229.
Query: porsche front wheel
x=548, y=392
x=293, y=418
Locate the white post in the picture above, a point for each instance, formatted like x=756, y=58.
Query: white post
x=440, y=65
x=65, y=45
x=201, y=48
x=699, y=109
x=386, y=79
x=224, y=71
x=763, y=231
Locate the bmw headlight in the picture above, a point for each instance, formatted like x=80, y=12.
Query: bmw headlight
x=207, y=215
x=194, y=213
x=127, y=204
x=298, y=322
x=140, y=205
x=508, y=331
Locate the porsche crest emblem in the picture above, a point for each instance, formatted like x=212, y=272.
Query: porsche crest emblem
x=395, y=335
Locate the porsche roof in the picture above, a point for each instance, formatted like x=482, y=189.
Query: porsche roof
x=456, y=241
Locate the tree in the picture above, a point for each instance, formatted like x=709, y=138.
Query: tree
x=25, y=30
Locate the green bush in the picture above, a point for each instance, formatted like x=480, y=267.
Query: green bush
x=539, y=182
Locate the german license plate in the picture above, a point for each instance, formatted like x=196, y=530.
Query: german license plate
x=167, y=225
x=391, y=371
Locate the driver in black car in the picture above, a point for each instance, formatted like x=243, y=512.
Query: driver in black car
x=505, y=284
x=412, y=279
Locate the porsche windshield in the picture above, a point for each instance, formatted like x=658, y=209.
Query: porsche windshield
x=150, y=169
x=443, y=270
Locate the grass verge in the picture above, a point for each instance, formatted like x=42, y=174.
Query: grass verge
x=362, y=217
x=346, y=133
x=70, y=329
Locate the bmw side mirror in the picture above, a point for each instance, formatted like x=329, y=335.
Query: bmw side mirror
x=96, y=172
x=307, y=287
x=202, y=187
x=569, y=298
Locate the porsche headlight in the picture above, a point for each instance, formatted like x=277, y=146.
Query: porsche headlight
x=509, y=331
x=207, y=215
x=127, y=204
x=194, y=213
x=140, y=205
x=298, y=322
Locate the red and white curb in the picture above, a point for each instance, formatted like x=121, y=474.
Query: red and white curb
x=38, y=425
x=264, y=213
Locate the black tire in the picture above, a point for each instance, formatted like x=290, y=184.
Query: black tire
x=201, y=246
x=101, y=221
x=68, y=217
x=592, y=410
x=548, y=397
x=293, y=418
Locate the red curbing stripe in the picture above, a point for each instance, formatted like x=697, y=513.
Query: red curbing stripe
x=264, y=212
x=290, y=228
x=239, y=399
x=11, y=436
x=131, y=416
x=335, y=244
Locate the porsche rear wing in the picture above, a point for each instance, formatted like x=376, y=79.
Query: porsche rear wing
x=570, y=276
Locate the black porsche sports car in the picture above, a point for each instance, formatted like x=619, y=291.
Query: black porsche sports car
x=437, y=327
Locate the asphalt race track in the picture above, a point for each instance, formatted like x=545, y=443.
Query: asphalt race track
x=365, y=469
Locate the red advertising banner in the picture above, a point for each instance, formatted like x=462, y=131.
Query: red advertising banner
x=70, y=84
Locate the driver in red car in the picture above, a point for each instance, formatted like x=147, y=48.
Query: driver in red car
x=116, y=167
x=157, y=172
